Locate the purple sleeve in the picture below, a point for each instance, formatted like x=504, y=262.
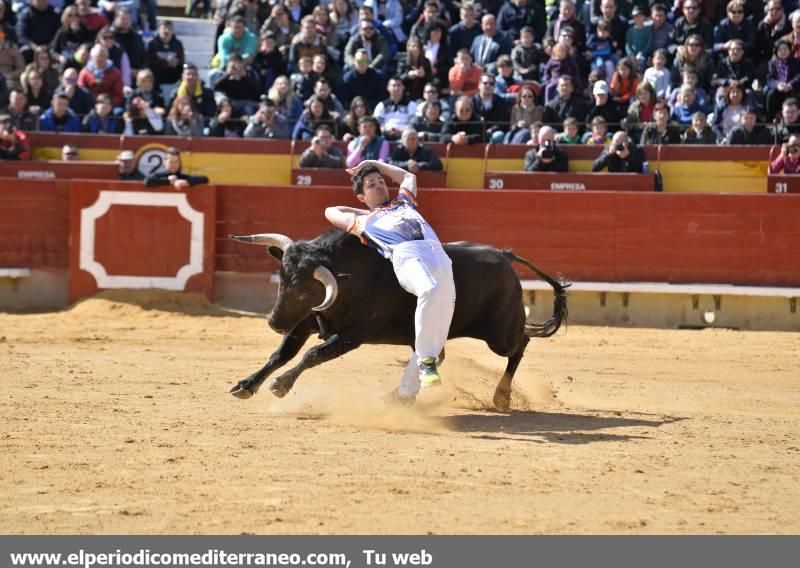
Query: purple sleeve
x=383, y=154
x=353, y=154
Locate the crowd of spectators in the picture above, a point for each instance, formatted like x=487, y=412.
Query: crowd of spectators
x=387, y=76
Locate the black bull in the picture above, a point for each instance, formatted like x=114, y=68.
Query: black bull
x=348, y=294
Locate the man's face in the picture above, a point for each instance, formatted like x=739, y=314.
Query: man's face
x=464, y=111
x=620, y=138
x=735, y=52
x=41, y=4
x=564, y=88
x=322, y=90
x=124, y=21
x=411, y=142
x=309, y=30
x=126, y=166
x=430, y=13
x=18, y=101
x=566, y=11
x=325, y=139
x=395, y=89
x=774, y=11
x=375, y=191
x=691, y=10
x=319, y=65
x=748, y=120
x=60, y=106
x=103, y=108
x=172, y=163
x=600, y=99
x=70, y=77
x=609, y=9
x=165, y=33
x=238, y=30
x=486, y=86
x=789, y=113
x=430, y=93
x=571, y=130
x=688, y=97
x=367, y=29
x=661, y=115
x=468, y=16
x=362, y=62
x=489, y=25
x=190, y=76
x=659, y=17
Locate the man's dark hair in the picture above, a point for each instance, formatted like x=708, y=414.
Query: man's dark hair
x=358, y=179
x=323, y=128
x=172, y=151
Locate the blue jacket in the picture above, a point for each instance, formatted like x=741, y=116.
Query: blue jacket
x=47, y=122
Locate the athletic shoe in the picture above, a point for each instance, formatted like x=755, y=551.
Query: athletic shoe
x=428, y=375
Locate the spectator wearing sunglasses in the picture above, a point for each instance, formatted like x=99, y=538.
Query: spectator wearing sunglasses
x=689, y=24
x=735, y=26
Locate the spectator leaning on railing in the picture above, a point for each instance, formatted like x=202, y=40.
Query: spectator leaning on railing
x=413, y=156
x=172, y=173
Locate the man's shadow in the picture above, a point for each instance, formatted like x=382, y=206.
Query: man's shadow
x=555, y=427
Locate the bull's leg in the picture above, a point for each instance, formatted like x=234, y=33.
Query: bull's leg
x=502, y=394
x=334, y=347
x=290, y=346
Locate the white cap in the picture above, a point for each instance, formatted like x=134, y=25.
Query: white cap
x=601, y=88
x=125, y=155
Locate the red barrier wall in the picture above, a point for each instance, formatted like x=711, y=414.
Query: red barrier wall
x=677, y=238
x=34, y=224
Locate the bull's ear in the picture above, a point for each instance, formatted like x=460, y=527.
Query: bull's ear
x=276, y=252
x=343, y=277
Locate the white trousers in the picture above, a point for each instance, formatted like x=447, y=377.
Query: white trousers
x=425, y=270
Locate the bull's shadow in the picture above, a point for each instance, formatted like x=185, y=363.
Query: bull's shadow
x=554, y=427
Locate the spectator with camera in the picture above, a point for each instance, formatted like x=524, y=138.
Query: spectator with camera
x=621, y=156
x=172, y=173
x=140, y=118
x=788, y=161
x=13, y=142
x=267, y=122
x=548, y=157
x=322, y=153
x=413, y=156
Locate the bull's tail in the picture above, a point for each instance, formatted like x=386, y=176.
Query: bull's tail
x=560, y=311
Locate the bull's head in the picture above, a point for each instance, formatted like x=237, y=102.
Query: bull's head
x=298, y=291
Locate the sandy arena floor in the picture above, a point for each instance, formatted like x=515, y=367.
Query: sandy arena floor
x=116, y=419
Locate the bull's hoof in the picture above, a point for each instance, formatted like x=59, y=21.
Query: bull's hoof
x=278, y=389
x=502, y=400
x=241, y=392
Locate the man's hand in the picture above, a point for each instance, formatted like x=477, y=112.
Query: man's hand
x=542, y=158
x=412, y=166
x=460, y=138
x=180, y=184
x=355, y=169
x=622, y=152
x=363, y=142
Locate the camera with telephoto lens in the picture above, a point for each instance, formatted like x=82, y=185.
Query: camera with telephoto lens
x=548, y=149
x=791, y=148
x=622, y=147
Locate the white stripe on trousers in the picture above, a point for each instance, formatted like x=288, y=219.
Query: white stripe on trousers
x=425, y=270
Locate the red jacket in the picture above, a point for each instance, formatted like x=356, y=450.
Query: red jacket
x=110, y=83
x=19, y=149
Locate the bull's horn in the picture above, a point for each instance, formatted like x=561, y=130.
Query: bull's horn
x=331, y=287
x=266, y=239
